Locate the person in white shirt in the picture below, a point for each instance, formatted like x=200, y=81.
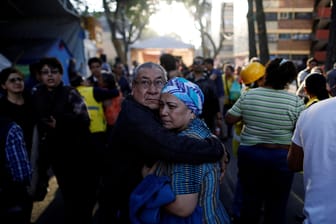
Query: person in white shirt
x=313, y=150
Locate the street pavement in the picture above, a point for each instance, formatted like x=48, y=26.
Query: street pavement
x=50, y=210
x=295, y=201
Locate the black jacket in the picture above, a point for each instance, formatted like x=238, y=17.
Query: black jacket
x=138, y=138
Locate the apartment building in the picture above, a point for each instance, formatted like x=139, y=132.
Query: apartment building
x=225, y=11
x=321, y=25
x=296, y=29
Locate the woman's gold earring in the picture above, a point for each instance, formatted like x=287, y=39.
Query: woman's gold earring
x=193, y=116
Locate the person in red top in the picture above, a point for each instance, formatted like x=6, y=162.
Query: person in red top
x=112, y=106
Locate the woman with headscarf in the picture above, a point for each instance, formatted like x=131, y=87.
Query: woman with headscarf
x=196, y=187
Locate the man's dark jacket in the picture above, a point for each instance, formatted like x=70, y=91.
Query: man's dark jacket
x=138, y=138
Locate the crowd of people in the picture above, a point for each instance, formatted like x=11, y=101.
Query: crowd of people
x=148, y=147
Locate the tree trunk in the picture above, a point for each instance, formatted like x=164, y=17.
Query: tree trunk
x=251, y=30
x=203, y=43
x=113, y=28
x=262, y=33
x=331, y=48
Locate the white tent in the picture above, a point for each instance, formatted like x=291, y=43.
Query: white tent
x=151, y=49
x=4, y=62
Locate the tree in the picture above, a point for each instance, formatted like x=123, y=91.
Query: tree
x=331, y=48
x=127, y=20
x=251, y=30
x=262, y=33
x=199, y=9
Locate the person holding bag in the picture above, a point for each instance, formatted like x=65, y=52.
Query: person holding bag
x=232, y=89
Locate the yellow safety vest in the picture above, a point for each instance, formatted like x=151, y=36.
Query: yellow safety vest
x=96, y=112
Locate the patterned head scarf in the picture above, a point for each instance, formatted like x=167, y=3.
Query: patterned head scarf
x=189, y=93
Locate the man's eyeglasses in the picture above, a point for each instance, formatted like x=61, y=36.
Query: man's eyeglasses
x=13, y=80
x=52, y=71
x=198, y=62
x=144, y=83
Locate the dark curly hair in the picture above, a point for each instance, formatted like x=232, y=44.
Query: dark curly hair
x=279, y=73
x=316, y=84
x=52, y=62
x=5, y=73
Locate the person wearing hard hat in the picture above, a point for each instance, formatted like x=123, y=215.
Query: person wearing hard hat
x=252, y=76
x=269, y=113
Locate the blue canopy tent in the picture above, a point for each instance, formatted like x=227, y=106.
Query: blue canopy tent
x=43, y=25
x=31, y=51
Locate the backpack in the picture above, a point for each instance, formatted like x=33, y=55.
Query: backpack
x=235, y=91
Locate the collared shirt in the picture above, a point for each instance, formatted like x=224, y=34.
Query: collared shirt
x=202, y=179
x=17, y=159
x=269, y=115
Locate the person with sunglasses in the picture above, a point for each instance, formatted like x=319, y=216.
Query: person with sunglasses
x=16, y=103
x=63, y=126
x=138, y=138
x=16, y=106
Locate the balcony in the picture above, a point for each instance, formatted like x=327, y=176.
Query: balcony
x=322, y=35
x=320, y=55
x=324, y=12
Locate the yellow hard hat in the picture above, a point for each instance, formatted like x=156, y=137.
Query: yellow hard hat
x=252, y=72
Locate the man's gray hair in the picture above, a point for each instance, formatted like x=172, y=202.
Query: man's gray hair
x=150, y=65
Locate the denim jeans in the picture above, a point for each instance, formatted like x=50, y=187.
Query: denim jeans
x=266, y=183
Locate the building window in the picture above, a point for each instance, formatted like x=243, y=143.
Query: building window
x=287, y=56
x=285, y=36
x=285, y=15
x=272, y=38
x=298, y=57
x=301, y=36
x=303, y=15
x=271, y=16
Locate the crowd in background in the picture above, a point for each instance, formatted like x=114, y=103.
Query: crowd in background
x=157, y=129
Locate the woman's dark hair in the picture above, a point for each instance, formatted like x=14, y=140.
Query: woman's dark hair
x=94, y=60
x=52, y=62
x=168, y=61
x=5, y=73
x=109, y=80
x=279, y=72
x=76, y=80
x=316, y=84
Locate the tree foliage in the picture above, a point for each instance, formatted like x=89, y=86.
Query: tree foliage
x=127, y=20
x=199, y=9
